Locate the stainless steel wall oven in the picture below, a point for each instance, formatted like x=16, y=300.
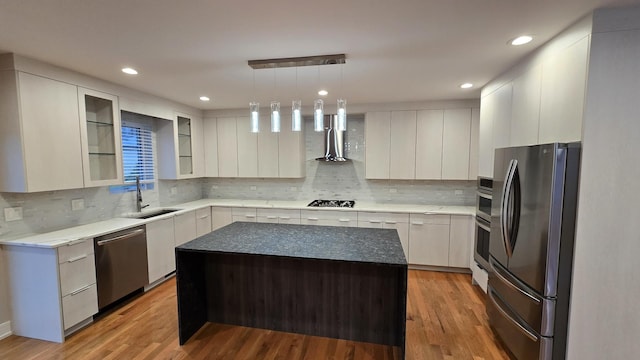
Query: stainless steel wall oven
x=483, y=221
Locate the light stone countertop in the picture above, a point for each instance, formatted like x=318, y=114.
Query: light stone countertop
x=70, y=235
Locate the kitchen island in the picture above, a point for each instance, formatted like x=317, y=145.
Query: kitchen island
x=339, y=282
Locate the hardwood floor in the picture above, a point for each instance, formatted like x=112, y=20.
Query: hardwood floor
x=445, y=320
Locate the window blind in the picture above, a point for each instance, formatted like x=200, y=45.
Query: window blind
x=137, y=151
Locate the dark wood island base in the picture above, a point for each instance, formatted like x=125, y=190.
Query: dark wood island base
x=318, y=285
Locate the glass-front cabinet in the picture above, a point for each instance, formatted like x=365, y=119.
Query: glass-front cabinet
x=100, y=137
x=185, y=156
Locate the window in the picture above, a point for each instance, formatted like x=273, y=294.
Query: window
x=137, y=153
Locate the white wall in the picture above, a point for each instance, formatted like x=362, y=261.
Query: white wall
x=605, y=310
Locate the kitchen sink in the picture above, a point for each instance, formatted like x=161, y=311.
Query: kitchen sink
x=150, y=214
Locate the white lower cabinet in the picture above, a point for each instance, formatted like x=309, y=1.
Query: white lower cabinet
x=278, y=216
x=243, y=214
x=329, y=217
x=460, y=232
x=429, y=239
x=185, y=227
x=160, y=248
x=203, y=221
x=380, y=220
x=220, y=216
x=52, y=290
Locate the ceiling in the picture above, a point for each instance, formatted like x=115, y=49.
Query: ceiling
x=407, y=50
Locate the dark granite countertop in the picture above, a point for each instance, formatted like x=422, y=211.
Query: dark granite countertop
x=304, y=241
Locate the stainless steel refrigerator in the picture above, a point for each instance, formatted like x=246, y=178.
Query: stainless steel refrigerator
x=533, y=217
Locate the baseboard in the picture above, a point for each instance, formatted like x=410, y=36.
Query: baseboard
x=5, y=330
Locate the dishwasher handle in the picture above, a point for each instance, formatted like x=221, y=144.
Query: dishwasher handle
x=120, y=237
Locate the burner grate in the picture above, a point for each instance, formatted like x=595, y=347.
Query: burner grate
x=332, y=203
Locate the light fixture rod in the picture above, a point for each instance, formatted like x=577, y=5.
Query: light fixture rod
x=298, y=61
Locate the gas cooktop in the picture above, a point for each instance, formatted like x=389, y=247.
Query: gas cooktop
x=332, y=203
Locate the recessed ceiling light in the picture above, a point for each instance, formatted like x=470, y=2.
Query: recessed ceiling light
x=130, y=71
x=323, y=92
x=204, y=98
x=521, y=40
x=466, y=86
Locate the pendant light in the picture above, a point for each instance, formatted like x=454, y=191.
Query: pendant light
x=254, y=109
x=318, y=115
x=342, y=108
x=275, y=107
x=296, y=110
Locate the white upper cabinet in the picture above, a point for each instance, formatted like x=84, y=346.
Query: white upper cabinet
x=227, y=147
x=402, y=155
x=526, y=108
x=564, y=79
x=210, y=131
x=430, y=124
x=456, y=138
x=40, y=134
x=267, y=150
x=247, y=148
x=474, y=146
x=485, y=139
x=495, y=126
x=377, y=142
x=502, y=117
x=100, y=137
x=291, y=152
x=180, y=147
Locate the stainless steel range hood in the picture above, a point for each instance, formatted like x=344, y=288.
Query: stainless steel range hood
x=333, y=141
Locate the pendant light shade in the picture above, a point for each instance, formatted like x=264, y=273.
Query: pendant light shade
x=342, y=115
x=275, y=116
x=318, y=115
x=254, y=108
x=296, y=115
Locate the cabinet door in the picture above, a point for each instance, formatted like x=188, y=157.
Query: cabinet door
x=247, y=149
x=185, y=227
x=402, y=155
x=160, y=248
x=460, y=240
x=100, y=137
x=291, y=153
x=455, y=144
x=429, y=240
x=184, y=142
x=485, y=137
x=502, y=117
x=210, y=127
x=51, y=134
x=244, y=214
x=429, y=127
x=220, y=216
x=197, y=144
x=400, y=222
x=474, y=146
x=227, y=147
x=526, y=108
x=203, y=221
x=377, y=142
x=267, y=150
x=564, y=81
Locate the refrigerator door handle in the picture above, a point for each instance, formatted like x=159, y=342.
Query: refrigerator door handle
x=504, y=208
x=504, y=313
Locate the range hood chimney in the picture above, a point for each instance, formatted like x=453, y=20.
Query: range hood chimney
x=333, y=141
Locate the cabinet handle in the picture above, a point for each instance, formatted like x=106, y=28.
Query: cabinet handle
x=375, y=221
x=204, y=216
x=390, y=222
x=285, y=217
x=313, y=218
x=272, y=217
x=77, y=241
x=77, y=258
x=249, y=216
x=417, y=223
x=81, y=290
x=344, y=220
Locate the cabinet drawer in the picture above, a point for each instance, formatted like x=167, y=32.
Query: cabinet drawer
x=74, y=250
x=249, y=214
x=76, y=274
x=419, y=219
x=341, y=215
x=284, y=215
x=382, y=217
x=203, y=221
x=79, y=305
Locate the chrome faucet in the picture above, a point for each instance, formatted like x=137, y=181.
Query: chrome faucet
x=139, y=205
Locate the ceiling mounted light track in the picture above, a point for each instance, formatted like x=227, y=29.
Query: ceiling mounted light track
x=298, y=61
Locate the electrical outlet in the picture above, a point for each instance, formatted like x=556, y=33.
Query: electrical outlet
x=459, y=192
x=13, y=213
x=253, y=187
x=174, y=190
x=77, y=204
x=393, y=191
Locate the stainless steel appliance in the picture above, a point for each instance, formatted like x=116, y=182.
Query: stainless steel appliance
x=333, y=140
x=483, y=222
x=332, y=203
x=121, y=264
x=531, y=247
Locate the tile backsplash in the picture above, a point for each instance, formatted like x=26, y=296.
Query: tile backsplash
x=48, y=211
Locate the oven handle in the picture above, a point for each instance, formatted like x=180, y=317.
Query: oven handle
x=481, y=223
x=121, y=237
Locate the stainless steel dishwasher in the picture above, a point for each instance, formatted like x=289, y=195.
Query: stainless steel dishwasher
x=121, y=264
